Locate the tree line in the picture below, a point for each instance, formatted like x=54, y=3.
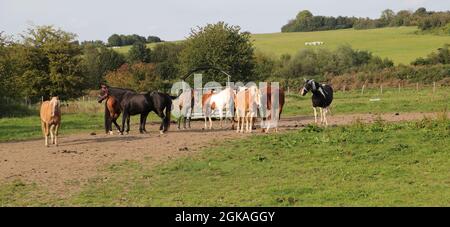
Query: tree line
x=437, y=22
x=125, y=40
x=48, y=61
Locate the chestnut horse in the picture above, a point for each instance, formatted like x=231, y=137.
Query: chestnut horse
x=112, y=107
x=246, y=102
x=216, y=101
x=50, y=114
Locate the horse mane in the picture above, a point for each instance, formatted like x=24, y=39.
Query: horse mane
x=55, y=104
x=121, y=89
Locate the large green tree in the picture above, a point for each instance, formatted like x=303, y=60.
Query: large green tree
x=219, y=45
x=51, y=58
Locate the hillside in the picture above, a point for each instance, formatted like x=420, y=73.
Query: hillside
x=400, y=44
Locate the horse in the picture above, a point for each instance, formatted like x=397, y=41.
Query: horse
x=50, y=114
x=216, y=101
x=246, y=102
x=272, y=111
x=118, y=95
x=322, y=96
x=143, y=104
x=185, y=105
x=112, y=106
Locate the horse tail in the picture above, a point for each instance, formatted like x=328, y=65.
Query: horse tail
x=167, y=117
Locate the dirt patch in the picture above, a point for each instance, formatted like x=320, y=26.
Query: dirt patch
x=79, y=157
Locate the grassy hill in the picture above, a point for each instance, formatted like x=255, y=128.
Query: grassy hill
x=400, y=44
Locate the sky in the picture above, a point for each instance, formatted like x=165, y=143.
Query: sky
x=173, y=19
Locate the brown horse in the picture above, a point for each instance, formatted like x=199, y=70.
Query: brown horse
x=273, y=110
x=50, y=119
x=112, y=108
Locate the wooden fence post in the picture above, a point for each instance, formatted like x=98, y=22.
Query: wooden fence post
x=381, y=88
x=362, y=90
x=434, y=87
x=417, y=87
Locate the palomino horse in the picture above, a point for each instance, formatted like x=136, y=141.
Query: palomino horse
x=185, y=104
x=112, y=107
x=50, y=119
x=272, y=112
x=247, y=102
x=218, y=101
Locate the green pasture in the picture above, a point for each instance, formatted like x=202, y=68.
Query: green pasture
x=87, y=116
x=400, y=44
x=381, y=164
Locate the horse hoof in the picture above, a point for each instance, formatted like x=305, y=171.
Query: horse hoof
x=161, y=132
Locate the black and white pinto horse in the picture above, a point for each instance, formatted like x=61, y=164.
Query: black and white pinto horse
x=322, y=96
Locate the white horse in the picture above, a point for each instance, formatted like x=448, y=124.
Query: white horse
x=218, y=101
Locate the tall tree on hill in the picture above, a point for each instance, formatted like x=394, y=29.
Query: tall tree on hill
x=139, y=53
x=219, y=45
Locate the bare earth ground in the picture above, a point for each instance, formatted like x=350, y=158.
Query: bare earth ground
x=81, y=156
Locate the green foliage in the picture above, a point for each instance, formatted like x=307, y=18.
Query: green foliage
x=317, y=63
x=306, y=22
x=139, y=53
x=441, y=57
x=139, y=76
x=51, y=64
x=219, y=45
x=153, y=39
x=96, y=62
x=124, y=40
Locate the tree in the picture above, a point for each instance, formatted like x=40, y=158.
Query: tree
x=387, y=16
x=139, y=53
x=114, y=40
x=52, y=64
x=153, y=39
x=97, y=61
x=219, y=45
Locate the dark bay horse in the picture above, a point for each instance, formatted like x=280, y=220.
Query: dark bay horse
x=143, y=104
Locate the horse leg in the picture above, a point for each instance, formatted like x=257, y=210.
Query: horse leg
x=321, y=115
x=46, y=134
x=238, y=120
x=52, y=141
x=210, y=122
x=220, y=117
x=325, y=116
x=124, y=118
x=56, y=134
x=141, y=124
x=117, y=125
x=128, y=124
x=315, y=115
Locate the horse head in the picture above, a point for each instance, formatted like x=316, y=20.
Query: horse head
x=55, y=104
x=310, y=85
x=104, y=92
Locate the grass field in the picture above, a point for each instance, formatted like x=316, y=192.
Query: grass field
x=400, y=44
x=88, y=116
x=401, y=164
